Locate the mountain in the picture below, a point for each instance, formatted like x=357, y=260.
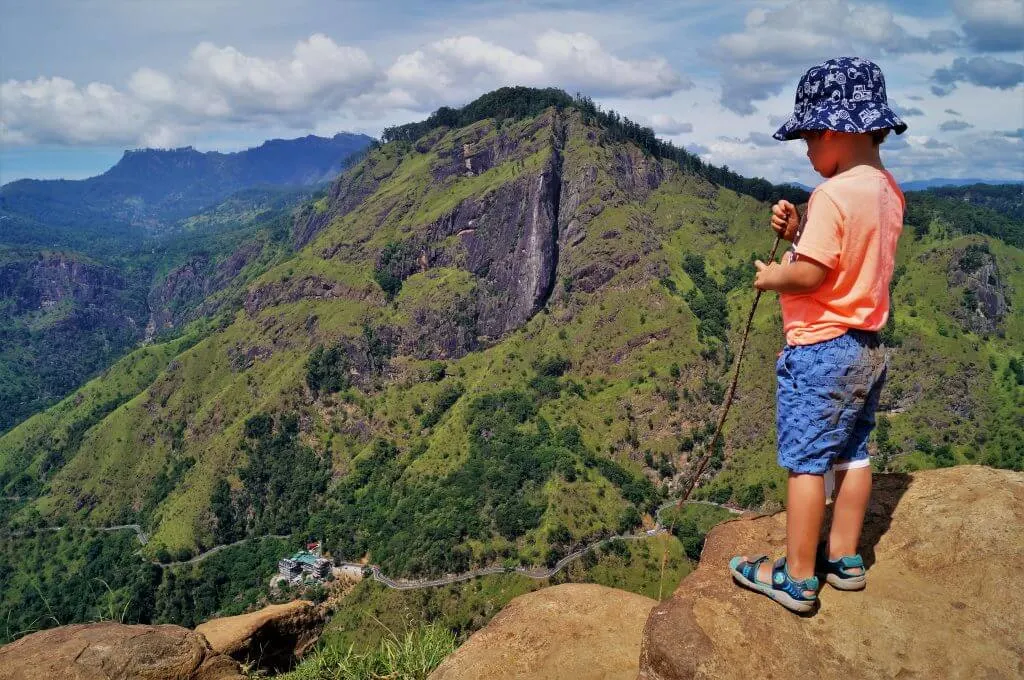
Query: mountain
x=1007, y=199
x=921, y=184
x=502, y=334
x=88, y=268
x=150, y=189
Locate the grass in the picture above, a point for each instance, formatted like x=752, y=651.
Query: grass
x=412, y=656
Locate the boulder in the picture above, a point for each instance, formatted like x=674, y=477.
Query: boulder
x=578, y=631
x=114, y=651
x=273, y=636
x=943, y=549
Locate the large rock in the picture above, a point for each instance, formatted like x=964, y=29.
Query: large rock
x=273, y=636
x=114, y=651
x=577, y=631
x=944, y=551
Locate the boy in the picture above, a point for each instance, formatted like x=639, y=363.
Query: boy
x=834, y=291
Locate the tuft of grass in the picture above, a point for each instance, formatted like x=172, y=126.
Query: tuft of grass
x=410, y=657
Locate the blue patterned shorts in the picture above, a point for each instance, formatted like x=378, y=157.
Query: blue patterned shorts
x=827, y=396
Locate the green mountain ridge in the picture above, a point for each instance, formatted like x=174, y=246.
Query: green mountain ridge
x=496, y=342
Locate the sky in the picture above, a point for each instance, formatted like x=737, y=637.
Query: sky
x=83, y=80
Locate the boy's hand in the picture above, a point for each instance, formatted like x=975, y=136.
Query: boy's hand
x=764, y=279
x=785, y=219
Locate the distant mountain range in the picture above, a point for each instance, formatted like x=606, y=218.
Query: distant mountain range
x=151, y=188
x=922, y=184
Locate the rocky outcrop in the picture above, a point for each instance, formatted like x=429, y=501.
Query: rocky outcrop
x=943, y=548
x=185, y=293
x=984, y=298
x=273, y=637
x=579, y=631
x=49, y=280
x=346, y=193
x=114, y=651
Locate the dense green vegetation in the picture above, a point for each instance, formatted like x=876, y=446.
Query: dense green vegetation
x=372, y=612
x=947, y=210
x=281, y=482
x=51, y=578
x=497, y=491
x=1007, y=199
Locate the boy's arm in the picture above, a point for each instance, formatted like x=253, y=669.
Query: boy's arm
x=798, y=276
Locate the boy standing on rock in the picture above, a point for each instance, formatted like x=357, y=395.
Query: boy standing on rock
x=834, y=291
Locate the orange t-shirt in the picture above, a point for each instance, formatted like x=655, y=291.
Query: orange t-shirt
x=853, y=223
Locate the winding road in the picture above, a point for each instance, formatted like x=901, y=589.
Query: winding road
x=414, y=584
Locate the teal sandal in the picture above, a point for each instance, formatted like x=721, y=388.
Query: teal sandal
x=784, y=589
x=839, y=574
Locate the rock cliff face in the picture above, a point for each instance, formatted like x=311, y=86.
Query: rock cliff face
x=943, y=549
x=62, y=318
x=184, y=294
x=273, y=637
x=47, y=281
x=985, y=301
x=114, y=651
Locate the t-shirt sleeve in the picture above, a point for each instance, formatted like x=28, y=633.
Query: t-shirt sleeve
x=822, y=237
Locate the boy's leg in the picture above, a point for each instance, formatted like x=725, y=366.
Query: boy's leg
x=805, y=511
x=853, y=470
x=854, y=491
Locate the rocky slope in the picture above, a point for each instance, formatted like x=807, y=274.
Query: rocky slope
x=942, y=548
x=271, y=637
x=566, y=631
x=114, y=651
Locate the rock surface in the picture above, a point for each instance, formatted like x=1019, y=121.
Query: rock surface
x=114, y=651
x=273, y=636
x=943, y=549
x=578, y=631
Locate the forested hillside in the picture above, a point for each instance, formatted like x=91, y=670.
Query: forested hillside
x=506, y=332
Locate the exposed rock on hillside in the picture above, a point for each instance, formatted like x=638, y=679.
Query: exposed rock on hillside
x=984, y=297
x=114, y=651
x=273, y=636
x=577, y=631
x=943, y=548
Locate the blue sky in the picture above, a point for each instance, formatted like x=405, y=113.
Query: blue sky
x=84, y=79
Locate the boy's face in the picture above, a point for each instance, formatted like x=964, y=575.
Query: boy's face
x=822, y=151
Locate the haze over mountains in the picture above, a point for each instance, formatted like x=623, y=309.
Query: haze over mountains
x=501, y=334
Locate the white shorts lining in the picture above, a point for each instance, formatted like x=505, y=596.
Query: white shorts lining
x=862, y=462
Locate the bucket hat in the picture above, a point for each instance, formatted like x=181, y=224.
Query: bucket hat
x=846, y=94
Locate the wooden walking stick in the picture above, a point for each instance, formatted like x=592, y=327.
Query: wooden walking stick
x=703, y=462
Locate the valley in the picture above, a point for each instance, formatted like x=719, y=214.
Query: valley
x=496, y=341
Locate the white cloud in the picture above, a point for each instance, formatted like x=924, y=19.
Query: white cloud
x=451, y=70
x=320, y=75
x=665, y=124
x=578, y=60
x=221, y=85
x=217, y=84
x=56, y=111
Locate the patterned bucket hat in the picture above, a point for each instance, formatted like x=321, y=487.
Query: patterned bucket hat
x=845, y=94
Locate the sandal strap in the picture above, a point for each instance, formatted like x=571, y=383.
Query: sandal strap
x=781, y=580
x=750, y=566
